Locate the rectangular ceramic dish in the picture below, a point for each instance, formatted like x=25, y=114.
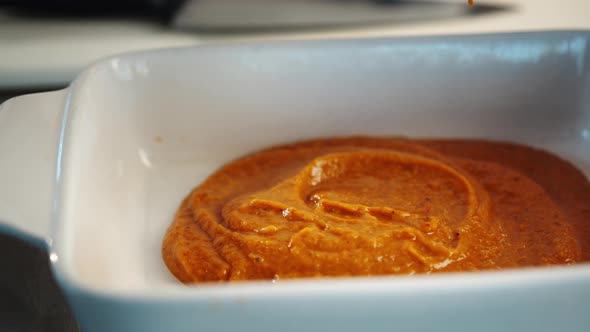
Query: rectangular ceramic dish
x=95, y=172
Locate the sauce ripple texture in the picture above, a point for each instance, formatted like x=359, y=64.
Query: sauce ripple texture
x=372, y=206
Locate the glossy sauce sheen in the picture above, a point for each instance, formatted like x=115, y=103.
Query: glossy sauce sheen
x=372, y=206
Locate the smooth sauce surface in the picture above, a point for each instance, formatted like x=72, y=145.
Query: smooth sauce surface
x=371, y=206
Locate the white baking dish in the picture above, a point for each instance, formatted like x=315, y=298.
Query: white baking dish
x=95, y=172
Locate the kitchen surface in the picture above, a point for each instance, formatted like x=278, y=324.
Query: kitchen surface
x=49, y=51
x=43, y=49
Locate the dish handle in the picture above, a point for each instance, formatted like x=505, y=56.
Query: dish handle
x=29, y=136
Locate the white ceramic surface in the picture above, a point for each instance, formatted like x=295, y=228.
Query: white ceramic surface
x=140, y=130
x=306, y=13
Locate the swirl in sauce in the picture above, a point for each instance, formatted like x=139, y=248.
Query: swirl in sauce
x=372, y=206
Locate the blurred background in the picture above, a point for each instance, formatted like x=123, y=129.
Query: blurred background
x=44, y=44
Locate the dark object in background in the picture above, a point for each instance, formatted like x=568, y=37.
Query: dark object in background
x=30, y=299
x=238, y=15
x=162, y=10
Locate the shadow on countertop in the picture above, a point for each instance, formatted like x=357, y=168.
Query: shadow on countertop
x=30, y=299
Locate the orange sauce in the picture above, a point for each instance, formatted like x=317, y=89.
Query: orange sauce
x=372, y=206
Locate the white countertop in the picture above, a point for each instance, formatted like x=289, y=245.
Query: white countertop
x=42, y=52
